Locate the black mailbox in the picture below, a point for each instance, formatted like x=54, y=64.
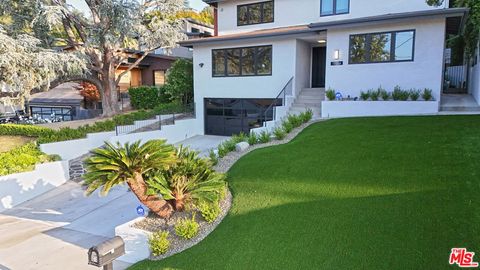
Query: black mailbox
x=105, y=253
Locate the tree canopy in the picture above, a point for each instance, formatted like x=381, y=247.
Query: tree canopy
x=112, y=32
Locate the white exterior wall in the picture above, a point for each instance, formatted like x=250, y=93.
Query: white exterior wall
x=207, y=86
x=301, y=12
x=303, y=65
x=474, y=78
x=426, y=71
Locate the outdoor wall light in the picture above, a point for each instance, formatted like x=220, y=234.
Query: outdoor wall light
x=201, y=65
x=336, y=54
x=322, y=41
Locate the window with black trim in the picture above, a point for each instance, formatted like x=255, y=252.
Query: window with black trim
x=248, y=61
x=334, y=7
x=396, y=46
x=255, y=13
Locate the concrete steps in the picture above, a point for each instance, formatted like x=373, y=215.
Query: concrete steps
x=309, y=98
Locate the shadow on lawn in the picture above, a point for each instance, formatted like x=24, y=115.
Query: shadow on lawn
x=380, y=232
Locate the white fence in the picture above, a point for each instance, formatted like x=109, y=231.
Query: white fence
x=20, y=187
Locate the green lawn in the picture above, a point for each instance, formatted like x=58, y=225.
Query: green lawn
x=366, y=193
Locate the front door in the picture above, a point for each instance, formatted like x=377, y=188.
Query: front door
x=319, y=59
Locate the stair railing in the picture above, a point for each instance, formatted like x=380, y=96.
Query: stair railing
x=281, y=96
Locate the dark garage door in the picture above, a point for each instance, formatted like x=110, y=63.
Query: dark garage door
x=232, y=116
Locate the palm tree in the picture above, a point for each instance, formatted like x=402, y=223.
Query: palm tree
x=191, y=180
x=118, y=164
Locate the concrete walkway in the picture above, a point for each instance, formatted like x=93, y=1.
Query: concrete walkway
x=203, y=144
x=55, y=230
x=458, y=103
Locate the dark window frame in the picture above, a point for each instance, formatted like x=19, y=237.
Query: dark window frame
x=334, y=9
x=255, y=62
x=392, y=47
x=262, y=11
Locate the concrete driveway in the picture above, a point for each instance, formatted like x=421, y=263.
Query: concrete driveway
x=55, y=230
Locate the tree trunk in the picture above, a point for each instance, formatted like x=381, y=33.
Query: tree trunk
x=179, y=203
x=156, y=204
x=109, y=96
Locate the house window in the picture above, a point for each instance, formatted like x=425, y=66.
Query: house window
x=255, y=13
x=195, y=30
x=334, y=7
x=382, y=47
x=248, y=61
x=159, y=77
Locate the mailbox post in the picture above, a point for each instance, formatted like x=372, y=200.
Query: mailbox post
x=105, y=253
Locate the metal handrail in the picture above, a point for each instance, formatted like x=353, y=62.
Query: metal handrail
x=283, y=92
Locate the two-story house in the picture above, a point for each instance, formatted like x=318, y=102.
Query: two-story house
x=264, y=50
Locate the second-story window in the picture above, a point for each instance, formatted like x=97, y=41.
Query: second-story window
x=248, y=61
x=255, y=13
x=334, y=7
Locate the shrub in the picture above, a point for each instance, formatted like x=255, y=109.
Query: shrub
x=287, y=126
x=427, y=94
x=179, y=84
x=330, y=94
x=279, y=133
x=186, y=227
x=295, y=120
x=238, y=138
x=383, y=93
x=264, y=137
x=144, y=97
x=414, y=94
x=253, y=138
x=374, y=94
x=226, y=147
x=22, y=159
x=209, y=211
x=159, y=243
x=306, y=116
x=213, y=157
x=399, y=94
x=364, y=95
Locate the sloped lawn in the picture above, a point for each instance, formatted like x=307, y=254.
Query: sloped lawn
x=366, y=193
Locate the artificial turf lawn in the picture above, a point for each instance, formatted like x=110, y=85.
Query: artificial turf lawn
x=365, y=193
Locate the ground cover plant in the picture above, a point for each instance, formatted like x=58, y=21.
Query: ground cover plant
x=360, y=193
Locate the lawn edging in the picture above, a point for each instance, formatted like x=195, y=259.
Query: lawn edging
x=224, y=164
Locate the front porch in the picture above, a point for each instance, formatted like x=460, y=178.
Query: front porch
x=459, y=103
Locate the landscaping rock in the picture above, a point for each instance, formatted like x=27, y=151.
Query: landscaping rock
x=241, y=146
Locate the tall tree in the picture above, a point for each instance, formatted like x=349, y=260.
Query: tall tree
x=24, y=66
x=107, y=36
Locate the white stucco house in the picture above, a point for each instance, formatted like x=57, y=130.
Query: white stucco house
x=270, y=58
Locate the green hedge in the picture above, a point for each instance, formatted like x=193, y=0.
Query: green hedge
x=22, y=159
x=147, y=97
x=46, y=135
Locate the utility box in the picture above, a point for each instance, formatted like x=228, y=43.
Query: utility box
x=105, y=253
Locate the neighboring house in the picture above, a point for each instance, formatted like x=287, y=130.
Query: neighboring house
x=63, y=103
x=268, y=49
x=193, y=29
x=151, y=71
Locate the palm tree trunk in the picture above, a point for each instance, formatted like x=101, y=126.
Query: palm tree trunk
x=156, y=204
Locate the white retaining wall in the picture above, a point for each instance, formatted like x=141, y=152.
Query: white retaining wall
x=20, y=187
x=75, y=148
x=136, y=242
x=377, y=108
x=182, y=130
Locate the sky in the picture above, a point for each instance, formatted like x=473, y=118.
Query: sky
x=80, y=4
